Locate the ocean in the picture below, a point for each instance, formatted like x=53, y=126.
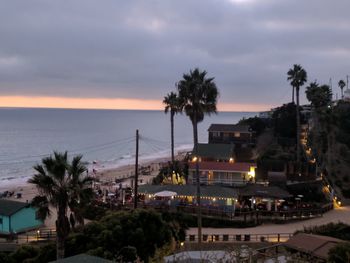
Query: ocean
x=105, y=138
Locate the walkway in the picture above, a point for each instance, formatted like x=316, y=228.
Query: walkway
x=341, y=214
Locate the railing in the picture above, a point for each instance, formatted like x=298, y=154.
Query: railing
x=239, y=237
x=42, y=235
x=256, y=215
x=217, y=181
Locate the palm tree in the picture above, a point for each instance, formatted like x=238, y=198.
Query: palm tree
x=297, y=76
x=341, y=85
x=171, y=102
x=198, y=96
x=319, y=96
x=61, y=185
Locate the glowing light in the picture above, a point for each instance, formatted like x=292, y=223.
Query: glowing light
x=251, y=173
x=194, y=159
x=232, y=160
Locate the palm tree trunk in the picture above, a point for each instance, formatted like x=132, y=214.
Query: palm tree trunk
x=342, y=94
x=172, y=138
x=60, y=233
x=293, y=94
x=199, y=208
x=298, y=130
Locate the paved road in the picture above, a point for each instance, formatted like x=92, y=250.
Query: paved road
x=341, y=214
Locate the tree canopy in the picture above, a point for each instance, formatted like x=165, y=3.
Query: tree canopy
x=319, y=96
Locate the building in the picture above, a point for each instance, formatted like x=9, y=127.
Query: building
x=218, y=166
x=314, y=247
x=214, y=153
x=237, y=134
x=222, y=173
x=16, y=217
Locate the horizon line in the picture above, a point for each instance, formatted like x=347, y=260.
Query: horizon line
x=106, y=109
x=110, y=104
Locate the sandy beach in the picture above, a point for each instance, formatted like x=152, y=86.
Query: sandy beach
x=122, y=173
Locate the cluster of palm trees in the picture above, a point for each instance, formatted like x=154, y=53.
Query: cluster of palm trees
x=319, y=96
x=196, y=96
x=63, y=185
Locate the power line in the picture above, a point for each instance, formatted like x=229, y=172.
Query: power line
x=112, y=143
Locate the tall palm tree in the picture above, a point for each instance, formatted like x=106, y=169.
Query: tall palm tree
x=297, y=76
x=171, y=102
x=341, y=85
x=198, y=96
x=61, y=184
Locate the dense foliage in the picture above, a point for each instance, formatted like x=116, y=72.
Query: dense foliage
x=340, y=253
x=284, y=121
x=256, y=124
x=116, y=235
x=342, y=116
x=30, y=254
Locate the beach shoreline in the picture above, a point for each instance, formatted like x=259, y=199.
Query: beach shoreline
x=123, y=173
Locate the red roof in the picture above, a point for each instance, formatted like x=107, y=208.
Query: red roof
x=222, y=166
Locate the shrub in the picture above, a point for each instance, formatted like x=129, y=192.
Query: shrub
x=340, y=253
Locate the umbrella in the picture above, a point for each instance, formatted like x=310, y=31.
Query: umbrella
x=165, y=194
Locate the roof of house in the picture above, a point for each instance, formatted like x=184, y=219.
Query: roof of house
x=259, y=190
x=216, y=151
x=190, y=190
x=9, y=207
x=229, y=128
x=222, y=166
x=82, y=258
x=315, y=245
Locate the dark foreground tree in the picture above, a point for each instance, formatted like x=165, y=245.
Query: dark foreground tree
x=198, y=95
x=297, y=76
x=62, y=185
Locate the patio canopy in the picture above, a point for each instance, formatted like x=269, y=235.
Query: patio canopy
x=190, y=190
x=165, y=194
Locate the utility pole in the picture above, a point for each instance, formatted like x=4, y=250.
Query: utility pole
x=347, y=81
x=136, y=169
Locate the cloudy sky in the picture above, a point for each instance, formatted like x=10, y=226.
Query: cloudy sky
x=129, y=54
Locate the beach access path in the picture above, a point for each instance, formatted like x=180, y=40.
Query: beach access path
x=340, y=214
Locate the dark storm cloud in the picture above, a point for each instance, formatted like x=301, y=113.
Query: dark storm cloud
x=139, y=49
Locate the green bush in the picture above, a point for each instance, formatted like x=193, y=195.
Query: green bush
x=340, y=253
x=144, y=230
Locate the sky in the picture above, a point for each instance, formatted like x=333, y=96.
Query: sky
x=129, y=54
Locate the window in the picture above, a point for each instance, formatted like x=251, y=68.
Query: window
x=216, y=134
x=237, y=134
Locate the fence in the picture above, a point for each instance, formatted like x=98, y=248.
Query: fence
x=257, y=215
x=268, y=237
x=42, y=235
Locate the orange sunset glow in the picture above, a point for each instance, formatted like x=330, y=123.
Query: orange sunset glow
x=105, y=103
